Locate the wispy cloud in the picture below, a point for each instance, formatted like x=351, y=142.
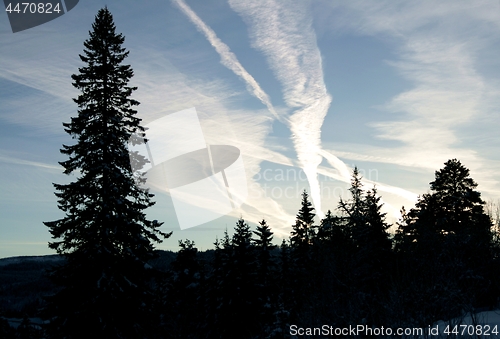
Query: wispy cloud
x=304, y=89
x=284, y=33
x=437, y=47
x=26, y=181
x=254, y=150
x=228, y=58
x=158, y=76
x=35, y=75
x=11, y=160
x=163, y=89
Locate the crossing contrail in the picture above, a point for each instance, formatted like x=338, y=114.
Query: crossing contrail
x=228, y=58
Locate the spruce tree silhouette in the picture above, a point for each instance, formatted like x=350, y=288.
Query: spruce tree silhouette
x=266, y=281
x=461, y=205
x=302, y=265
x=366, y=239
x=303, y=231
x=452, y=214
x=447, y=238
x=264, y=246
x=354, y=208
x=286, y=300
x=105, y=235
x=183, y=294
x=244, y=291
x=217, y=298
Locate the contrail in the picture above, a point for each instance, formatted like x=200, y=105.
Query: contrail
x=284, y=33
x=305, y=124
x=228, y=58
x=294, y=56
x=29, y=163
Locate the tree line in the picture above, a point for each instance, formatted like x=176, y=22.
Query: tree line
x=442, y=261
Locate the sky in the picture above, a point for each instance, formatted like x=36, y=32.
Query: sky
x=305, y=90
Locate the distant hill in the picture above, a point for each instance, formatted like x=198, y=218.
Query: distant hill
x=24, y=281
x=53, y=258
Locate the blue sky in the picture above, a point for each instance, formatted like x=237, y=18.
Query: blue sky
x=305, y=90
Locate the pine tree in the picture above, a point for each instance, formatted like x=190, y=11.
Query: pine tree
x=332, y=231
x=302, y=264
x=447, y=237
x=243, y=277
x=370, y=249
x=462, y=206
x=105, y=235
x=354, y=208
x=333, y=250
x=286, y=297
x=452, y=214
x=373, y=254
x=264, y=246
x=266, y=282
x=303, y=231
x=231, y=291
x=215, y=301
x=183, y=297
x=376, y=218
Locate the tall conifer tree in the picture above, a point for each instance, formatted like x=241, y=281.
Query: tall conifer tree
x=266, y=275
x=447, y=240
x=105, y=235
x=303, y=231
x=302, y=265
x=370, y=247
x=183, y=296
x=243, y=275
x=452, y=214
x=264, y=246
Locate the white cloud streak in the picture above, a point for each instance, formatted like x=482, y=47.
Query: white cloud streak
x=11, y=160
x=155, y=76
x=304, y=89
x=284, y=33
x=228, y=58
x=163, y=89
x=438, y=46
